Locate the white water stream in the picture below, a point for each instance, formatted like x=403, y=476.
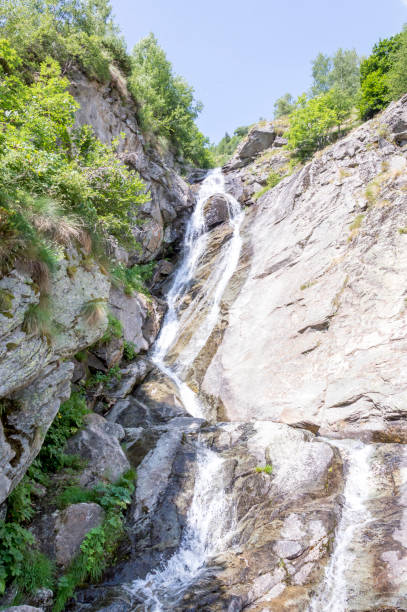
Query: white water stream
x=196, y=240
x=209, y=519
x=340, y=571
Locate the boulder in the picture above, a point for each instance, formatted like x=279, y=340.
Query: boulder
x=131, y=376
x=25, y=421
x=71, y=527
x=99, y=444
x=216, y=210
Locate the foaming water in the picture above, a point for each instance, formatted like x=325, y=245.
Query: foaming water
x=205, y=534
x=339, y=572
x=195, y=242
x=209, y=521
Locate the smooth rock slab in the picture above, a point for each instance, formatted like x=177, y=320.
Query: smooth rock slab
x=71, y=527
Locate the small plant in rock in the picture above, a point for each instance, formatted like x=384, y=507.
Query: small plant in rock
x=38, y=320
x=267, y=469
x=100, y=544
x=114, y=329
x=272, y=180
x=130, y=351
x=355, y=226
x=94, y=312
x=106, y=378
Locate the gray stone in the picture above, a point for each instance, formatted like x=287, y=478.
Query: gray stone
x=98, y=443
x=216, y=210
x=71, y=527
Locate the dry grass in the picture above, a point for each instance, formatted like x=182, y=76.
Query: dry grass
x=94, y=312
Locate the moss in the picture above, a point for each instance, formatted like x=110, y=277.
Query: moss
x=6, y=301
x=10, y=346
x=71, y=271
x=402, y=230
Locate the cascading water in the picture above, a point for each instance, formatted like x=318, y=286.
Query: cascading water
x=205, y=534
x=339, y=573
x=196, y=239
x=209, y=520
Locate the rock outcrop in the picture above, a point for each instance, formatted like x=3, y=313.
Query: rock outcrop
x=112, y=113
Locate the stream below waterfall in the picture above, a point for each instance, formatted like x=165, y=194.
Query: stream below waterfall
x=209, y=518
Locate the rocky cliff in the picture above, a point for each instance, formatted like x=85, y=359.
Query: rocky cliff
x=303, y=373
x=35, y=369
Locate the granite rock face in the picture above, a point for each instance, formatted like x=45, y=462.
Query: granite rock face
x=34, y=376
x=317, y=335
x=111, y=112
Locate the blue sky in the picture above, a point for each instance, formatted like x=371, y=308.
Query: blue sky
x=240, y=55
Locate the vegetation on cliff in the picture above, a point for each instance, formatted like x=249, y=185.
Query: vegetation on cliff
x=82, y=33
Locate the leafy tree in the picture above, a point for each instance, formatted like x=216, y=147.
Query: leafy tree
x=375, y=92
x=71, y=31
x=167, y=103
x=225, y=148
x=311, y=125
x=321, y=70
x=283, y=106
x=345, y=73
x=397, y=75
x=341, y=72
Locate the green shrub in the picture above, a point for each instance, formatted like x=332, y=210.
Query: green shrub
x=19, y=505
x=130, y=351
x=106, y=378
x=67, y=422
x=114, y=329
x=100, y=544
x=375, y=92
x=132, y=279
x=272, y=180
x=20, y=563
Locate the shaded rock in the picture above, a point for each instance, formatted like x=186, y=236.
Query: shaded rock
x=71, y=527
x=110, y=352
x=98, y=443
x=139, y=317
x=131, y=376
x=260, y=138
x=26, y=420
x=216, y=210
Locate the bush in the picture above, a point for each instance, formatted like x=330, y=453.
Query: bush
x=375, y=92
x=20, y=562
x=132, y=279
x=166, y=102
x=100, y=544
x=58, y=186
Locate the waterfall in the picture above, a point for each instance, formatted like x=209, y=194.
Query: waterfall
x=205, y=534
x=339, y=572
x=209, y=519
x=195, y=242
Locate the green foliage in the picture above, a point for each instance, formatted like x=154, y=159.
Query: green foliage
x=374, y=78
x=100, y=544
x=114, y=329
x=57, y=185
x=283, y=106
x=166, y=102
x=19, y=505
x=272, y=180
x=106, y=378
x=225, y=148
x=267, y=469
x=67, y=422
x=132, y=279
x=38, y=320
x=310, y=125
x=397, y=75
x=75, y=494
x=77, y=32
x=339, y=72
x=20, y=563
x=130, y=351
